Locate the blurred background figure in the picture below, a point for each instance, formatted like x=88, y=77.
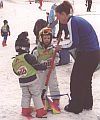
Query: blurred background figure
x=88, y=4
x=1, y=4
x=40, y=2
x=5, y=31
x=51, y=18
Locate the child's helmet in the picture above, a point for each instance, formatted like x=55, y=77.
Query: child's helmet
x=45, y=31
x=22, y=43
x=5, y=21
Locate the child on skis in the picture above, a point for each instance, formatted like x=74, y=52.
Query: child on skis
x=44, y=53
x=25, y=66
x=5, y=31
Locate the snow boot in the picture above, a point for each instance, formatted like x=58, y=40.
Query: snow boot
x=75, y=110
x=54, y=106
x=4, y=43
x=56, y=102
x=27, y=111
x=41, y=113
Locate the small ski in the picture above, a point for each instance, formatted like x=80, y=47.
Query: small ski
x=42, y=9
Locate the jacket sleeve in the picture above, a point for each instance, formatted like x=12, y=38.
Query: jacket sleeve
x=34, y=30
x=1, y=31
x=8, y=29
x=32, y=61
x=34, y=52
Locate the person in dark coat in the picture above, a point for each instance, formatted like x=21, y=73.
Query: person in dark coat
x=88, y=4
x=84, y=38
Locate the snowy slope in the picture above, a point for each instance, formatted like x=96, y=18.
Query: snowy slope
x=22, y=17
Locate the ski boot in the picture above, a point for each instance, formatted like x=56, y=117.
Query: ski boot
x=27, y=111
x=56, y=103
x=41, y=113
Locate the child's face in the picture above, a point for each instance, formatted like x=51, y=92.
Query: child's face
x=46, y=39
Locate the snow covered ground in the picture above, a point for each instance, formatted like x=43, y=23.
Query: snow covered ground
x=22, y=16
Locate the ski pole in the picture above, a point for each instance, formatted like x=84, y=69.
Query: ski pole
x=53, y=24
x=59, y=95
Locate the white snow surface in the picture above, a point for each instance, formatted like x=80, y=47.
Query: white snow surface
x=22, y=17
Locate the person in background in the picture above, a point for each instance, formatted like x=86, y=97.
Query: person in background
x=82, y=37
x=51, y=18
x=40, y=2
x=5, y=31
x=39, y=24
x=61, y=28
x=1, y=4
x=25, y=66
x=88, y=4
x=44, y=53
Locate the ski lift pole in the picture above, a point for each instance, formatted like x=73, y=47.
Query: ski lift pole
x=50, y=69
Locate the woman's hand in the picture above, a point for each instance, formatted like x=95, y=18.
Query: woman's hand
x=58, y=47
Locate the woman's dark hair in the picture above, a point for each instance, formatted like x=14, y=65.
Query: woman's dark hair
x=64, y=7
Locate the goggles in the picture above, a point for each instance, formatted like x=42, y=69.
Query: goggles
x=46, y=31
